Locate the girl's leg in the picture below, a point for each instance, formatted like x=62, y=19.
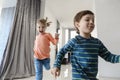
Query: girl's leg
x=46, y=63
x=38, y=69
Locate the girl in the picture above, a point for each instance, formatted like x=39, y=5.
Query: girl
x=42, y=48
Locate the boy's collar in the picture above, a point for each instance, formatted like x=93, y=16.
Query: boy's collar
x=80, y=37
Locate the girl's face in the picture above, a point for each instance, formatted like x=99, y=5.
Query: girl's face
x=86, y=24
x=41, y=28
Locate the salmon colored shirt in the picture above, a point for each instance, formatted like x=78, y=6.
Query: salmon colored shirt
x=42, y=45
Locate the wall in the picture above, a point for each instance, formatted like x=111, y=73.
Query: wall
x=108, y=29
x=42, y=11
x=51, y=29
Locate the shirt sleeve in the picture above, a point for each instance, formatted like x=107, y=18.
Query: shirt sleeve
x=53, y=40
x=67, y=47
x=107, y=55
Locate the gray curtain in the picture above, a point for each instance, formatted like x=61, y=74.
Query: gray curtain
x=18, y=58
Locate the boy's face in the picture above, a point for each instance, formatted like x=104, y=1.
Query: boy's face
x=86, y=24
x=41, y=28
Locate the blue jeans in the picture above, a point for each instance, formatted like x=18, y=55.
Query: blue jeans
x=39, y=67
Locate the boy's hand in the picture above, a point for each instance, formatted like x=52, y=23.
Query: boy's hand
x=56, y=35
x=55, y=72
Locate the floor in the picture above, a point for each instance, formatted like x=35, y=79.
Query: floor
x=33, y=78
x=65, y=75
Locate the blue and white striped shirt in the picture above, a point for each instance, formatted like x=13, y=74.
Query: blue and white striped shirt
x=84, y=57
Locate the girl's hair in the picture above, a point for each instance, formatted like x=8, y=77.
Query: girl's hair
x=44, y=22
x=79, y=15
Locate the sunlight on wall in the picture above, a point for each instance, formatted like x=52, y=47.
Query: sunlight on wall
x=0, y=6
x=0, y=10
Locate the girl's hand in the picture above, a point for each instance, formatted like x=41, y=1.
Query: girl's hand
x=56, y=35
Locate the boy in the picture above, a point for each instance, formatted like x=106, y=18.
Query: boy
x=85, y=50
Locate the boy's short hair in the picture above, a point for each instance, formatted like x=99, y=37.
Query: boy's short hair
x=79, y=15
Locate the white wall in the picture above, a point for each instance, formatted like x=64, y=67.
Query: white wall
x=51, y=29
x=108, y=29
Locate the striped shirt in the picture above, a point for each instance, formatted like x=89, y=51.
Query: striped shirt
x=84, y=57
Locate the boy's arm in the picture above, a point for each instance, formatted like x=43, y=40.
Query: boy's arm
x=107, y=55
x=68, y=47
x=55, y=71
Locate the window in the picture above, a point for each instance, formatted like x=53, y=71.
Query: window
x=6, y=19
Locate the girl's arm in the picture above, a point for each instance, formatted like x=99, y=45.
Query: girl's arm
x=53, y=40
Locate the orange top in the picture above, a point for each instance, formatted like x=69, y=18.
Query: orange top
x=42, y=45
